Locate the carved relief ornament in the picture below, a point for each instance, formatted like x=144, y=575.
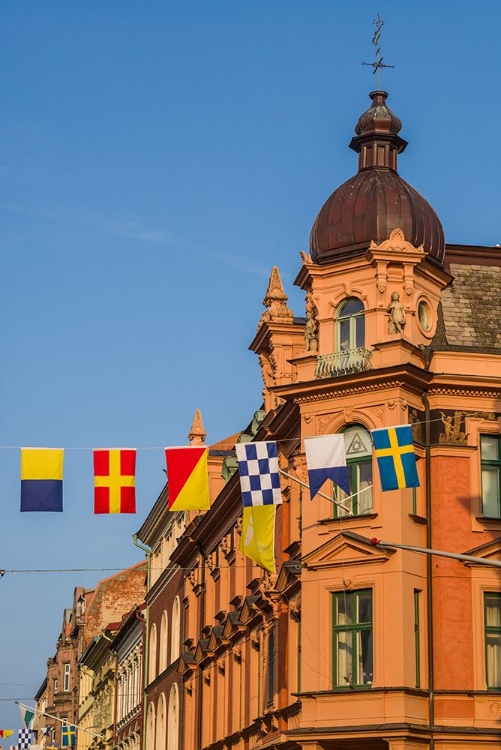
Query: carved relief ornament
x=397, y=243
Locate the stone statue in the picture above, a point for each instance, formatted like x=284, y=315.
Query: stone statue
x=396, y=314
x=311, y=327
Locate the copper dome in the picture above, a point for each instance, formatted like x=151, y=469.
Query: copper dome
x=374, y=202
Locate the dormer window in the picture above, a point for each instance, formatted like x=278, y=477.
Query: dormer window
x=350, y=325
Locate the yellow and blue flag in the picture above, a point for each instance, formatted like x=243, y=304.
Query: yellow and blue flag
x=68, y=735
x=396, y=459
x=42, y=479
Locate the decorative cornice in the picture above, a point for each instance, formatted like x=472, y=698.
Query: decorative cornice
x=358, y=388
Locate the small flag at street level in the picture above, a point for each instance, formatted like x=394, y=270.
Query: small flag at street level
x=68, y=735
x=187, y=478
x=24, y=739
x=115, y=480
x=326, y=459
x=259, y=475
x=394, y=449
x=27, y=715
x=258, y=535
x=42, y=479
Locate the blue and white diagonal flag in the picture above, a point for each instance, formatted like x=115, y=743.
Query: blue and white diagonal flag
x=326, y=459
x=24, y=739
x=259, y=477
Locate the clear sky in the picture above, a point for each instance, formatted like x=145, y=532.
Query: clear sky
x=156, y=160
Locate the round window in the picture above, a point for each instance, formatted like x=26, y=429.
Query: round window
x=423, y=312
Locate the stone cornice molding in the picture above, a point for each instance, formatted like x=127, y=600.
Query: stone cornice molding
x=356, y=389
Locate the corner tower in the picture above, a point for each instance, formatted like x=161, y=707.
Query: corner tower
x=375, y=273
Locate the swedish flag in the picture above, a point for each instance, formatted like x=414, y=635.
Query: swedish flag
x=396, y=459
x=69, y=735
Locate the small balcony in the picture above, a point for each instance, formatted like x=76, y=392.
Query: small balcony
x=342, y=363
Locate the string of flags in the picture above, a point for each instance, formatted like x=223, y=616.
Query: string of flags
x=45, y=736
x=188, y=480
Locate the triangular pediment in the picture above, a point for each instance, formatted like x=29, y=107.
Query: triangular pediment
x=489, y=551
x=186, y=663
x=346, y=548
x=231, y=624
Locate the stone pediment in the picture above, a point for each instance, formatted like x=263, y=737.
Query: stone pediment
x=232, y=624
x=346, y=548
x=186, y=663
x=489, y=551
x=396, y=243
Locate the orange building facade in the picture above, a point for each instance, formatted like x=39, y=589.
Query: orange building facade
x=352, y=645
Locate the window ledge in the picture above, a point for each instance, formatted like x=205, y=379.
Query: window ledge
x=344, y=519
x=418, y=519
x=489, y=519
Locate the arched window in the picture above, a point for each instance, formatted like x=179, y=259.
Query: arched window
x=173, y=719
x=358, y=448
x=163, y=643
x=175, y=645
x=152, y=671
x=161, y=732
x=350, y=325
x=150, y=728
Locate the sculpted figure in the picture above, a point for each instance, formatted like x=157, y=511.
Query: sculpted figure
x=396, y=314
x=311, y=327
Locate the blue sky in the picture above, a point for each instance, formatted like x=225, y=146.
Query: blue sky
x=156, y=160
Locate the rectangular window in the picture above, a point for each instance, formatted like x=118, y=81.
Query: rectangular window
x=492, y=617
x=66, y=681
x=352, y=638
x=417, y=652
x=55, y=687
x=490, y=458
x=270, y=681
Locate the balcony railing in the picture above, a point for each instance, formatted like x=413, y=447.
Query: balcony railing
x=341, y=363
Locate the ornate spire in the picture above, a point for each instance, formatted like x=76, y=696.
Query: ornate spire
x=197, y=433
x=276, y=301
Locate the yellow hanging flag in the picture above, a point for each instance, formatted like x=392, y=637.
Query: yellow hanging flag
x=258, y=535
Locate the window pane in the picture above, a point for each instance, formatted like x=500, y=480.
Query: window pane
x=351, y=307
x=365, y=607
x=493, y=658
x=344, y=335
x=489, y=448
x=364, y=661
x=490, y=491
x=360, y=331
x=344, y=657
x=344, y=614
x=365, y=486
x=493, y=610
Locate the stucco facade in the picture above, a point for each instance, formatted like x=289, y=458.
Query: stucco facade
x=350, y=644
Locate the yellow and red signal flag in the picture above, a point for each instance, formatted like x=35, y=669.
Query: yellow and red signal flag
x=187, y=478
x=6, y=732
x=115, y=480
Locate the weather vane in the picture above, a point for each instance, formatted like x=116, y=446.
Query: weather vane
x=378, y=64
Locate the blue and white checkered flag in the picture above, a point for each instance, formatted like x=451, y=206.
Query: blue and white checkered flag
x=24, y=739
x=259, y=477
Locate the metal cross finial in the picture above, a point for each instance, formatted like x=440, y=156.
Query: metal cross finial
x=378, y=64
